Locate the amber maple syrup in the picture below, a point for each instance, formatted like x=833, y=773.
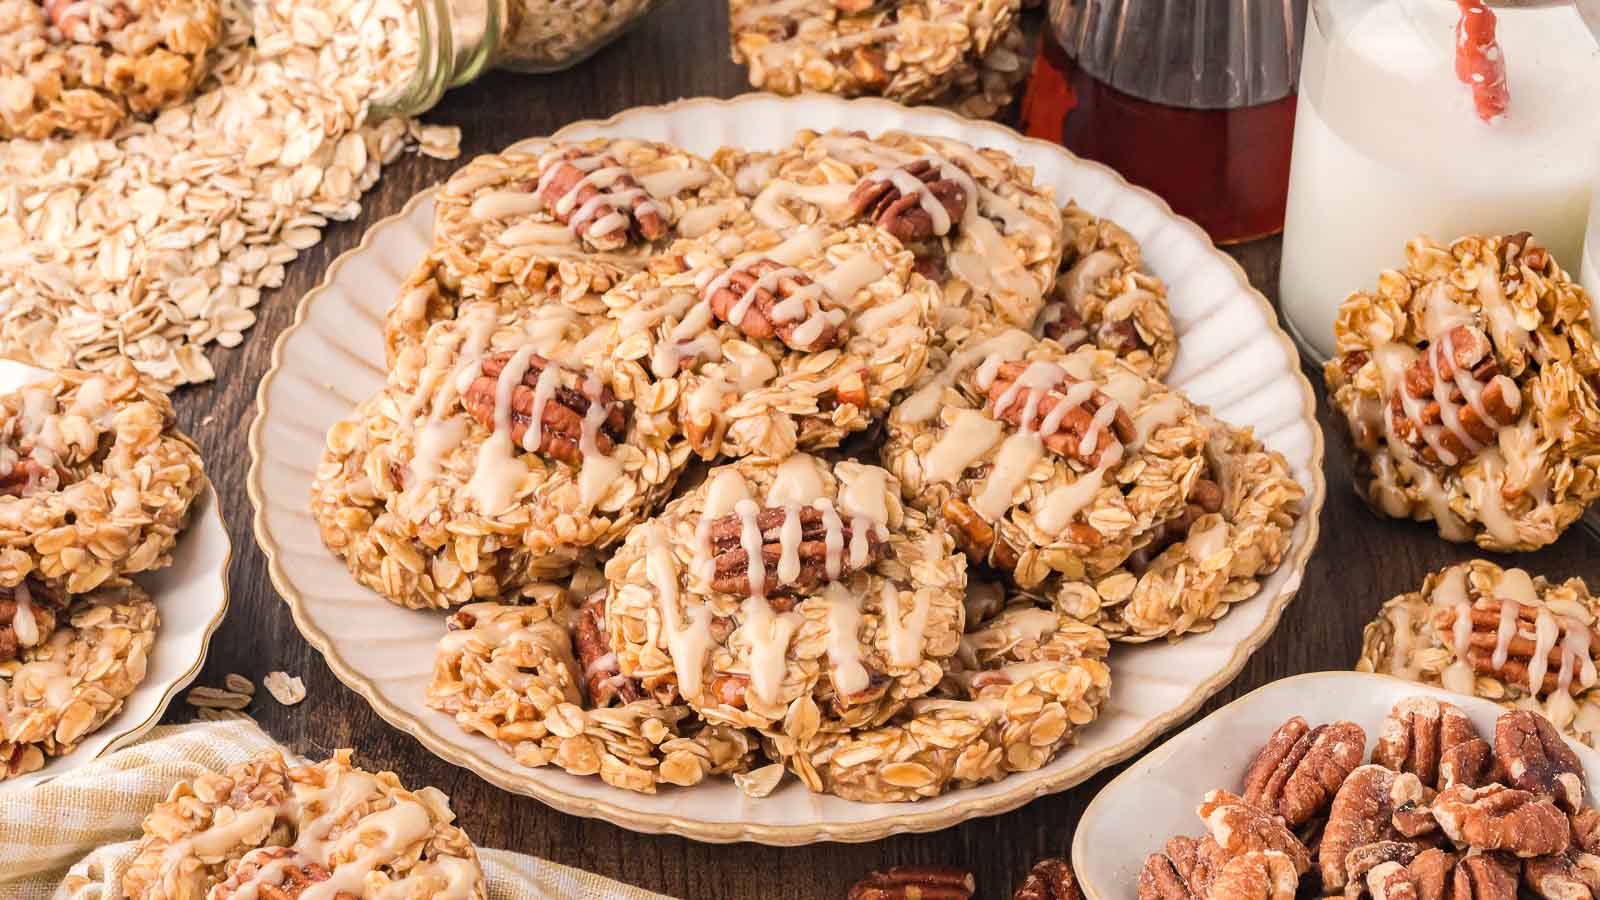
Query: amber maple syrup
x=1227, y=169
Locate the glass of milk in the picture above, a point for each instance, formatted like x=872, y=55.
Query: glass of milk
x=1388, y=145
x=1591, y=246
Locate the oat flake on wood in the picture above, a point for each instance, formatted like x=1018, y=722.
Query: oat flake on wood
x=160, y=240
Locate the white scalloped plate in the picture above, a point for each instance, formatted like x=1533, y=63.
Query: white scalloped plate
x=1166, y=786
x=1233, y=356
x=191, y=598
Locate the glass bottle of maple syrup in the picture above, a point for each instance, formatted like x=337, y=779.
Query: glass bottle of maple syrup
x=1193, y=99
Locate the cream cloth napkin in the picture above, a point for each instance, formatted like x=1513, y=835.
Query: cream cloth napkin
x=71, y=838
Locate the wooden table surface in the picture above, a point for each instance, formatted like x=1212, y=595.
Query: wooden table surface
x=680, y=51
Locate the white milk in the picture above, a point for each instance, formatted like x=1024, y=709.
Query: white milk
x=1590, y=276
x=1387, y=145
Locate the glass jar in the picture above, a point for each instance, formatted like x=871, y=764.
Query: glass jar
x=1193, y=99
x=1390, y=142
x=461, y=39
x=1590, y=276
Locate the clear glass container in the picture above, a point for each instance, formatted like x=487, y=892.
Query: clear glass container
x=1590, y=276
x=461, y=39
x=1389, y=144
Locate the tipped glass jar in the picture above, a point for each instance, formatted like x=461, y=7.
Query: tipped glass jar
x=459, y=40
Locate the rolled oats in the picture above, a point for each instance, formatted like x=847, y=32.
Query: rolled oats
x=158, y=240
x=57, y=692
x=1467, y=382
x=264, y=826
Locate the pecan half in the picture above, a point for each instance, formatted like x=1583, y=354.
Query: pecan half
x=86, y=23
x=1358, y=863
x=980, y=542
x=1537, y=760
x=1239, y=827
x=1586, y=829
x=1362, y=813
x=1181, y=871
x=883, y=200
x=1541, y=676
x=1441, y=875
x=602, y=677
x=1049, y=879
x=44, y=604
x=1077, y=434
x=732, y=564
x=568, y=192
x=562, y=414
x=1060, y=321
x=1257, y=875
x=27, y=477
x=915, y=883
x=1204, y=498
x=1574, y=875
x=276, y=873
x=768, y=299
x=1418, y=734
x=1501, y=818
x=1462, y=427
x=1300, y=768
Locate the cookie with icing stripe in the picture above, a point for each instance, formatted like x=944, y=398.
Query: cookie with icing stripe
x=1046, y=464
x=503, y=449
x=791, y=598
x=268, y=827
x=978, y=224
x=780, y=342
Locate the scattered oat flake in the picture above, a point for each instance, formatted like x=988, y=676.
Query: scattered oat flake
x=285, y=688
x=239, y=684
x=759, y=782
x=156, y=242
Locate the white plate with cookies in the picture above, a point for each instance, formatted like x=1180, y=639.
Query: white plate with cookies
x=1232, y=356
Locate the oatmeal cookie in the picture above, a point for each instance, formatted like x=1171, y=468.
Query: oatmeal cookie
x=29, y=613
x=1468, y=383
x=57, y=690
x=503, y=449
x=978, y=224
x=96, y=481
x=1103, y=298
x=268, y=828
x=85, y=66
x=1236, y=528
x=1024, y=684
x=911, y=50
x=541, y=681
x=795, y=598
x=1500, y=634
x=1046, y=464
x=561, y=222
x=778, y=345
x=986, y=89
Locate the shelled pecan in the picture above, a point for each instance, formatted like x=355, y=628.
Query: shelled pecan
x=1300, y=768
x=787, y=310
x=1484, y=640
x=979, y=541
x=562, y=414
x=642, y=212
x=732, y=564
x=915, y=883
x=1537, y=760
x=1049, y=879
x=1465, y=348
x=1009, y=402
x=1425, y=736
x=603, y=679
x=880, y=199
x=1204, y=498
x=1501, y=818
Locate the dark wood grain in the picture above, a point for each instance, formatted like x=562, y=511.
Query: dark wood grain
x=681, y=51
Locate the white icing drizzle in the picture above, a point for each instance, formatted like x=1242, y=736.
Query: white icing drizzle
x=23, y=623
x=607, y=211
x=724, y=491
x=1392, y=360
x=845, y=668
x=988, y=354
x=769, y=634
x=499, y=471
x=688, y=634
x=671, y=182
x=1012, y=466
x=750, y=542
x=969, y=435
x=1064, y=502
x=445, y=430
x=770, y=210
x=905, y=632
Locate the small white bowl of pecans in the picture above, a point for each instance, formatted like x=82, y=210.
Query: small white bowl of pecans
x=1349, y=784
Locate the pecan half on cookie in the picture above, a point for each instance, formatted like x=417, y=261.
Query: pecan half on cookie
x=564, y=410
x=913, y=202
x=767, y=299
x=1068, y=413
x=598, y=198
x=1454, y=399
x=825, y=551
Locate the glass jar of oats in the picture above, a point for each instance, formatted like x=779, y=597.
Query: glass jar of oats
x=458, y=40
